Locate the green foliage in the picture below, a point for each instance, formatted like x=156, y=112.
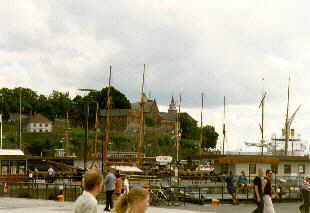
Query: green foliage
x=149, y=122
x=188, y=126
x=191, y=133
x=210, y=137
x=165, y=141
x=120, y=143
x=57, y=104
x=44, y=146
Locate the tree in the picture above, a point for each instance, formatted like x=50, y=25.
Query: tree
x=188, y=126
x=61, y=102
x=119, y=100
x=209, y=137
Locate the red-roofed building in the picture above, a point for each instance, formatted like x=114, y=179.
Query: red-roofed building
x=39, y=123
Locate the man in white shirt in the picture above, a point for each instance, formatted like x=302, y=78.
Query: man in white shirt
x=87, y=202
x=50, y=173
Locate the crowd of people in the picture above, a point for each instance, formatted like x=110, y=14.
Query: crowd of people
x=262, y=189
x=135, y=200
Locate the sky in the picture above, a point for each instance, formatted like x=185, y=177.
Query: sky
x=237, y=49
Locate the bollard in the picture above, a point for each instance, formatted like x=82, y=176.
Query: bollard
x=215, y=202
x=61, y=198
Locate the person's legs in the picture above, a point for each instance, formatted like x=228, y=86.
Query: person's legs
x=111, y=204
x=260, y=207
x=108, y=201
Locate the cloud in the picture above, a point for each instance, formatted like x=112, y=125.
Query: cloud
x=219, y=48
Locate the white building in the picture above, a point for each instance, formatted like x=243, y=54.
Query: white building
x=39, y=123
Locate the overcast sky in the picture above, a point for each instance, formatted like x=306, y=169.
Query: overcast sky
x=220, y=48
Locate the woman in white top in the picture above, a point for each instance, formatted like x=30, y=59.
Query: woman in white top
x=126, y=185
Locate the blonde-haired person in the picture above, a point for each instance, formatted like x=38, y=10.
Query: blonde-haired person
x=87, y=202
x=136, y=201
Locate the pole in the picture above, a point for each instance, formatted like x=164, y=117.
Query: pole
x=86, y=135
x=224, y=126
x=20, y=119
x=201, y=128
x=107, y=129
x=96, y=124
x=141, y=131
x=1, y=128
x=262, y=105
x=286, y=120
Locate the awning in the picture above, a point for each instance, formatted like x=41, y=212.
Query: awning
x=126, y=168
x=249, y=159
x=11, y=152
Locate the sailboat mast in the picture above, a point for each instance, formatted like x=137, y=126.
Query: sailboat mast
x=287, y=119
x=108, y=123
x=141, y=131
x=96, y=129
x=20, y=119
x=224, y=126
x=261, y=125
x=201, y=128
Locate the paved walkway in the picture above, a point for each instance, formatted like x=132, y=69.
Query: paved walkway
x=19, y=205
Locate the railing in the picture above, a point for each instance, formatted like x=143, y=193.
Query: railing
x=191, y=192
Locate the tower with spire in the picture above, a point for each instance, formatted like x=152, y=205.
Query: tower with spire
x=172, y=107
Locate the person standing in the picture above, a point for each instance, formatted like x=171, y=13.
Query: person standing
x=268, y=206
x=118, y=185
x=50, y=173
x=258, y=191
x=109, y=189
x=136, y=201
x=305, y=190
x=92, y=184
x=126, y=185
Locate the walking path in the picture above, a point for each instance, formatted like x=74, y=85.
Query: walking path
x=20, y=205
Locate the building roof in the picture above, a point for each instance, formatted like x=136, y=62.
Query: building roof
x=115, y=112
x=168, y=116
x=39, y=118
x=11, y=152
x=149, y=106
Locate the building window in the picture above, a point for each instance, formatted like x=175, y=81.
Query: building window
x=40, y=130
x=252, y=168
x=224, y=169
x=301, y=168
x=34, y=125
x=274, y=169
x=287, y=169
x=46, y=125
x=40, y=125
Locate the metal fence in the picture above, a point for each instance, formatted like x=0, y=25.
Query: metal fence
x=193, y=191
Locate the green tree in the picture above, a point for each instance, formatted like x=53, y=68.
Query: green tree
x=209, y=137
x=188, y=126
x=61, y=102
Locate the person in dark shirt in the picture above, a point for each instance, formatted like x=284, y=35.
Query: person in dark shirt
x=231, y=188
x=258, y=191
x=268, y=206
